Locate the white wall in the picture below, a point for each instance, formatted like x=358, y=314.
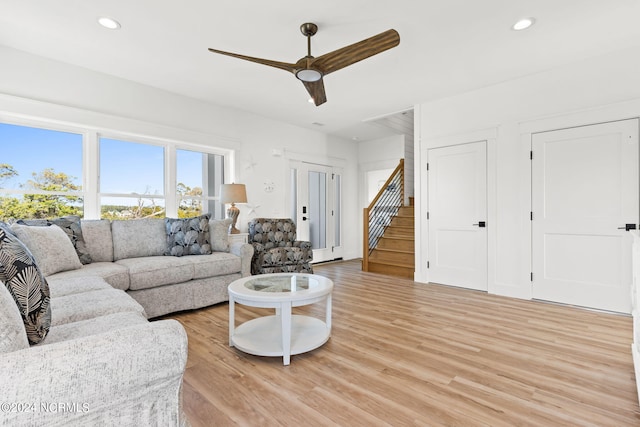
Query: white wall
x=36, y=87
x=595, y=90
x=376, y=155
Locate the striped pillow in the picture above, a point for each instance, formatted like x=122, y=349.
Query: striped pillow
x=26, y=284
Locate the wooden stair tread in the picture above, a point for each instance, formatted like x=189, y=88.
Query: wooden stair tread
x=392, y=263
x=399, y=237
x=394, y=250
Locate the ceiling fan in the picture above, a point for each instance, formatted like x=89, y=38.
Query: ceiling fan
x=310, y=70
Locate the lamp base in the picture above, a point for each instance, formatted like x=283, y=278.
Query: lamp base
x=233, y=213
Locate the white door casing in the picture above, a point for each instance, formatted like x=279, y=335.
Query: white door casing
x=585, y=185
x=318, y=207
x=457, y=200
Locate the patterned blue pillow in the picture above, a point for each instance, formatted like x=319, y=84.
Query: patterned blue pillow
x=26, y=284
x=188, y=236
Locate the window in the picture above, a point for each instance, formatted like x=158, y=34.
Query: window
x=199, y=176
x=189, y=185
x=40, y=172
x=131, y=180
x=56, y=170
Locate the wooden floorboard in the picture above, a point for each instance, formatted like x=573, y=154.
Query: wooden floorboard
x=403, y=353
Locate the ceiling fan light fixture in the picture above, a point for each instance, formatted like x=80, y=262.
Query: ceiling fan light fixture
x=309, y=75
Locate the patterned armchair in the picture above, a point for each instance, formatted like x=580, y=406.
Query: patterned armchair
x=275, y=248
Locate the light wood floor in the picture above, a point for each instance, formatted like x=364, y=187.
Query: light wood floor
x=404, y=354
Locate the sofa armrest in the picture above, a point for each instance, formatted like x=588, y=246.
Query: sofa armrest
x=128, y=376
x=245, y=252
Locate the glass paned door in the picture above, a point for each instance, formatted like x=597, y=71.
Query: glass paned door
x=317, y=208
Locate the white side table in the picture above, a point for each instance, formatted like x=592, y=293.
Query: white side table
x=239, y=237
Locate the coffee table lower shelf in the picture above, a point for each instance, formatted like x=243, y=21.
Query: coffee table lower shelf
x=263, y=336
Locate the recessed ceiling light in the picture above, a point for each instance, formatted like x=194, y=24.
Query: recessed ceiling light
x=523, y=24
x=109, y=23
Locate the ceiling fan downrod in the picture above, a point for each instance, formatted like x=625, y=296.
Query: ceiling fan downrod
x=308, y=29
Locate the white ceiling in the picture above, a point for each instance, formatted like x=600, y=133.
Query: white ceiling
x=446, y=47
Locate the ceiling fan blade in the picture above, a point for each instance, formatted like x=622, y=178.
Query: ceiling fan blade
x=338, y=59
x=316, y=90
x=277, y=64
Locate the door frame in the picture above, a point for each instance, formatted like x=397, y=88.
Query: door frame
x=490, y=136
x=484, y=217
x=534, y=215
x=527, y=130
x=338, y=166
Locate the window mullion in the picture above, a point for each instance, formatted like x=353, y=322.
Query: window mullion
x=170, y=174
x=91, y=174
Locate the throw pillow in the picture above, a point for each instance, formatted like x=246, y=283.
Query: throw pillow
x=26, y=284
x=188, y=236
x=12, y=331
x=50, y=247
x=71, y=226
x=219, y=231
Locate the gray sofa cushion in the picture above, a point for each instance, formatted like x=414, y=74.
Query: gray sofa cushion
x=115, y=275
x=219, y=234
x=13, y=336
x=152, y=271
x=88, y=305
x=138, y=238
x=71, y=226
x=50, y=246
x=98, y=239
x=62, y=286
x=97, y=325
x=184, y=296
x=26, y=284
x=188, y=236
x=218, y=263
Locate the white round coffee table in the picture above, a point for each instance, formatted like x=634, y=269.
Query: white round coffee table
x=281, y=334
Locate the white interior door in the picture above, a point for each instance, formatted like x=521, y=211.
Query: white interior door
x=318, y=208
x=457, y=188
x=584, y=189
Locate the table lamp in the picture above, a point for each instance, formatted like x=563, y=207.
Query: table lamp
x=233, y=193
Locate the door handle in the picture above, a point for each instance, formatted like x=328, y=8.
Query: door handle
x=628, y=227
x=480, y=224
x=304, y=218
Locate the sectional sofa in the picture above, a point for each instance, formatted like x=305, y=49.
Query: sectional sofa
x=78, y=349
x=131, y=255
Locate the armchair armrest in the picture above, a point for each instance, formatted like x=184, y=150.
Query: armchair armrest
x=302, y=244
x=245, y=252
x=128, y=376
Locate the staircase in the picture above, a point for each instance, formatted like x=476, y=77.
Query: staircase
x=389, y=230
x=394, y=254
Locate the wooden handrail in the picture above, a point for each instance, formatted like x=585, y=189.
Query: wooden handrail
x=398, y=169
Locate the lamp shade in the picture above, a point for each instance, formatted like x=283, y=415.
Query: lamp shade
x=233, y=193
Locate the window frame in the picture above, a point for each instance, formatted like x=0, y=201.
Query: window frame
x=55, y=127
x=91, y=135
